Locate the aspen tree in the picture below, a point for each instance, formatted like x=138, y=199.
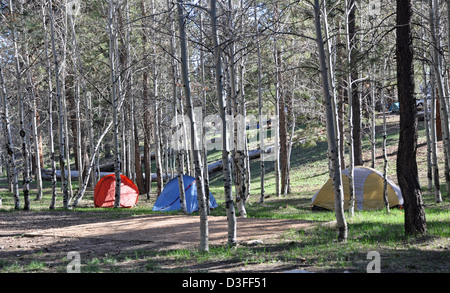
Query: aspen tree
x=194, y=143
x=61, y=116
x=229, y=203
x=114, y=97
x=332, y=131
x=260, y=106
x=9, y=142
x=437, y=79
x=177, y=142
x=50, y=107
x=25, y=154
x=204, y=96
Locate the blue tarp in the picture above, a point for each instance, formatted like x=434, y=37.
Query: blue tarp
x=169, y=199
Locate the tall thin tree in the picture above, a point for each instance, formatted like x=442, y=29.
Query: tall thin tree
x=194, y=143
x=332, y=131
x=20, y=98
x=114, y=97
x=229, y=203
x=415, y=222
x=9, y=141
x=61, y=117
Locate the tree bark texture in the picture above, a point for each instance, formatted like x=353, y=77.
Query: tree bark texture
x=194, y=143
x=407, y=174
x=332, y=132
x=229, y=203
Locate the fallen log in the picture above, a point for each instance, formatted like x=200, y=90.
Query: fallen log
x=212, y=168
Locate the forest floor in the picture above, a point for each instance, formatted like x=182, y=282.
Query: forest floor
x=49, y=236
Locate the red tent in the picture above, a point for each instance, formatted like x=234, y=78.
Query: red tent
x=104, y=193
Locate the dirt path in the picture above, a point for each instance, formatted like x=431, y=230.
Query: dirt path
x=173, y=229
x=50, y=236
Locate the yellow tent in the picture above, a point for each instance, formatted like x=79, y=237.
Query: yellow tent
x=369, y=185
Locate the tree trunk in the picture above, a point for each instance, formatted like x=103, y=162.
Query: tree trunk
x=157, y=115
x=229, y=204
x=438, y=79
x=50, y=110
x=407, y=174
x=238, y=123
x=136, y=166
x=373, y=138
x=427, y=126
x=260, y=118
x=59, y=98
x=137, y=160
x=356, y=101
x=203, y=139
x=114, y=98
x=278, y=96
x=147, y=107
x=195, y=146
x=77, y=100
x=9, y=142
x=350, y=7
x=177, y=143
x=157, y=140
x=38, y=150
x=332, y=131
x=385, y=158
x=433, y=142
x=25, y=154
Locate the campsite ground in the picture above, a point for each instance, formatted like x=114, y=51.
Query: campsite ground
x=124, y=242
x=101, y=235
x=283, y=233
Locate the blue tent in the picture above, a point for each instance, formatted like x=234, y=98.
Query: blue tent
x=395, y=107
x=169, y=199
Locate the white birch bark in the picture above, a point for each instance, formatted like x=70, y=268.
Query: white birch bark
x=238, y=157
x=204, y=233
x=50, y=109
x=9, y=142
x=385, y=158
x=20, y=98
x=260, y=106
x=229, y=204
x=157, y=114
x=332, y=131
x=77, y=80
x=373, y=139
x=38, y=173
x=437, y=69
x=277, y=111
x=34, y=130
x=61, y=118
x=433, y=142
x=351, y=208
x=204, y=144
x=178, y=149
x=114, y=97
